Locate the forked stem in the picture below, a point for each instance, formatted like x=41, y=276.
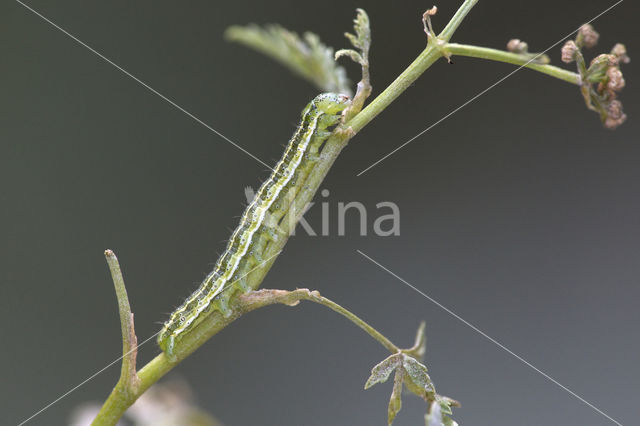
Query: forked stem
x=132, y=385
x=120, y=400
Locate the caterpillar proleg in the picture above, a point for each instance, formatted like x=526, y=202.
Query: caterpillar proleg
x=258, y=223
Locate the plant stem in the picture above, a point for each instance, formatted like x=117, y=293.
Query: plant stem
x=129, y=383
x=118, y=401
x=121, y=399
x=128, y=377
x=457, y=19
x=399, y=85
x=429, y=55
x=511, y=58
x=265, y=297
x=354, y=319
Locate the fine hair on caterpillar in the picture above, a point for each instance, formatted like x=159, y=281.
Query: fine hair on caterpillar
x=259, y=224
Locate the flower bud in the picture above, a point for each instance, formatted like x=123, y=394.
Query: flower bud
x=587, y=36
x=517, y=46
x=569, y=51
x=616, y=80
x=615, y=115
x=620, y=52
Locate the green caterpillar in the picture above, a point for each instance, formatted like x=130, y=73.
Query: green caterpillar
x=259, y=222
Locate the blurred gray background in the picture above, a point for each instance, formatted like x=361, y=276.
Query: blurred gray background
x=520, y=213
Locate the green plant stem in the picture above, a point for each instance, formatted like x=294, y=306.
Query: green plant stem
x=118, y=401
x=511, y=58
x=122, y=398
x=457, y=19
x=129, y=383
x=399, y=85
x=128, y=378
x=429, y=55
x=261, y=298
x=354, y=319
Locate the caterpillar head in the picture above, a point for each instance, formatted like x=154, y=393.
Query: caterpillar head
x=166, y=341
x=328, y=103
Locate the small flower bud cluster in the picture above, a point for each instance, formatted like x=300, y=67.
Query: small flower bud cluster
x=517, y=46
x=569, y=51
x=615, y=115
x=520, y=47
x=587, y=36
x=603, y=79
x=620, y=52
x=610, y=82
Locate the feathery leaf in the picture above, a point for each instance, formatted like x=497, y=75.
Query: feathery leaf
x=306, y=56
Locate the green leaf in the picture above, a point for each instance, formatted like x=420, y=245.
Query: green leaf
x=361, y=40
x=381, y=372
x=448, y=421
x=355, y=56
x=395, y=402
x=444, y=407
x=437, y=415
x=418, y=381
x=306, y=56
x=446, y=403
x=414, y=375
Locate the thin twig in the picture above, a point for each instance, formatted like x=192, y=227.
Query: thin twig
x=457, y=19
x=128, y=376
x=511, y=58
x=420, y=345
x=260, y=298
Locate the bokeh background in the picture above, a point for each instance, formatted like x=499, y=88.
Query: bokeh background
x=520, y=213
